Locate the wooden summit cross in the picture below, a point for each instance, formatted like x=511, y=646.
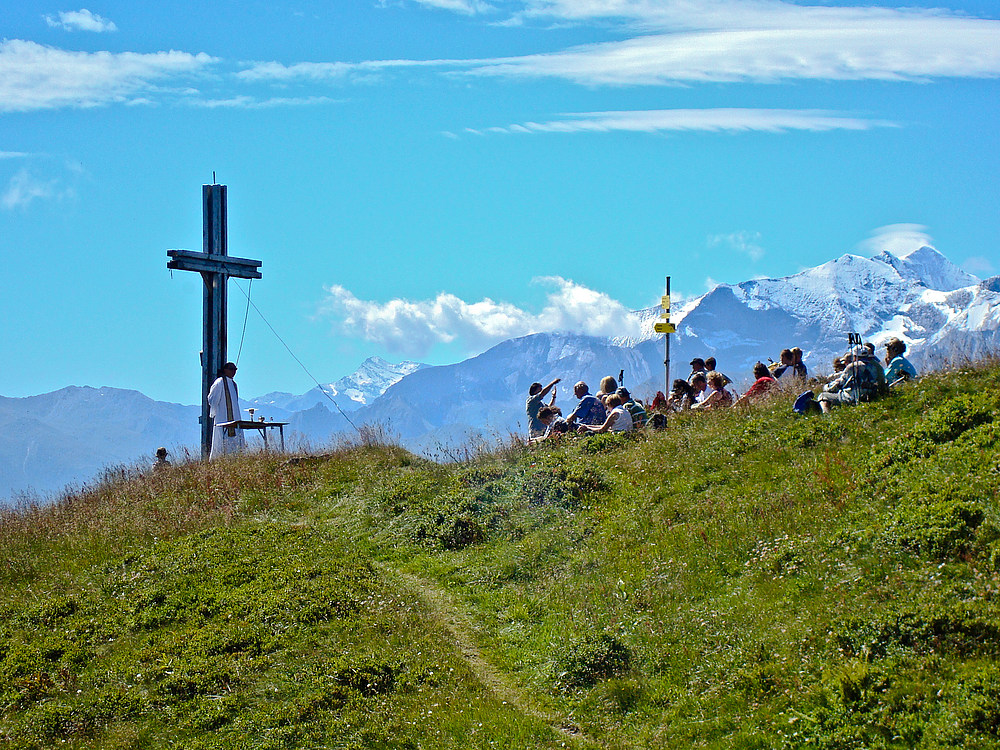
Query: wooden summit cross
x=215, y=267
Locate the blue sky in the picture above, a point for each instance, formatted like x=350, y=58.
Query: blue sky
x=424, y=178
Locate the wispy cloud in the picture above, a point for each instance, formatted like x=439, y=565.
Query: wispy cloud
x=713, y=120
x=25, y=188
x=465, y=7
x=337, y=71
x=683, y=42
x=897, y=239
x=15, y=155
x=743, y=242
x=249, y=102
x=790, y=42
x=34, y=76
x=413, y=327
x=80, y=20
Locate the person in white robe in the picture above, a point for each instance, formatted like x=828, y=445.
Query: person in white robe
x=224, y=406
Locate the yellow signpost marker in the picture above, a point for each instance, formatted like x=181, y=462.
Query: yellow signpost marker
x=666, y=327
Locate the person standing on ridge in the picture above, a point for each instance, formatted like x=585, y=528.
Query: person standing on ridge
x=224, y=406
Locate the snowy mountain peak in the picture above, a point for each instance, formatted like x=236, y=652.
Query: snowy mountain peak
x=351, y=392
x=926, y=265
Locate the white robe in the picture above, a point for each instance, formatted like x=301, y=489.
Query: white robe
x=222, y=443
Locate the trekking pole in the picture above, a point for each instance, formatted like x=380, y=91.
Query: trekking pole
x=854, y=341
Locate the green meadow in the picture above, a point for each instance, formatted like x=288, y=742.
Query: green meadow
x=747, y=579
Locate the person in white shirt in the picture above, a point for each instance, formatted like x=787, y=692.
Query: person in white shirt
x=618, y=419
x=224, y=406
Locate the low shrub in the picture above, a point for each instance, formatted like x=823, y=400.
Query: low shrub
x=592, y=658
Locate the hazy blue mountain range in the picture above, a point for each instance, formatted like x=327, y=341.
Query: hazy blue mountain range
x=941, y=311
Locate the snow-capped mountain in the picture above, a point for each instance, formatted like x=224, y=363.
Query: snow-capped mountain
x=941, y=312
x=921, y=297
x=351, y=392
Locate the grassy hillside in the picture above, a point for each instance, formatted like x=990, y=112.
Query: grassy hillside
x=740, y=580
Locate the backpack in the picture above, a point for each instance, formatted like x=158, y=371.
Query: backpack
x=863, y=379
x=806, y=404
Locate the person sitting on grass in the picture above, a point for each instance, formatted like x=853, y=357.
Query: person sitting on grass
x=682, y=396
x=898, y=367
x=699, y=388
x=872, y=361
x=710, y=364
x=555, y=425
x=697, y=366
x=618, y=419
x=798, y=366
x=858, y=382
x=636, y=409
x=783, y=369
x=535, y=395
x=719, y=397
x=608, y=386
x=763, y=385
x=590, y=411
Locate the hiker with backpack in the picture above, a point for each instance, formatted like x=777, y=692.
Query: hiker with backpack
x=858, y=383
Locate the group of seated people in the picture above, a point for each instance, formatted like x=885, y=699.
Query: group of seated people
x=858, y=376
x=611, y=409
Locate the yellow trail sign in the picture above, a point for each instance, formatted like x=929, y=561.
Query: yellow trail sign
x=665, y=328
x=665, y=302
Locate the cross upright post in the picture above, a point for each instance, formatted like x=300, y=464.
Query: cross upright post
x=215, y=267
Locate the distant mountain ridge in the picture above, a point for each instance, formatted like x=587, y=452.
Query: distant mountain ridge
x=942, y=312
x=358, y=389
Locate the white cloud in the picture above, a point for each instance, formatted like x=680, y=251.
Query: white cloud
x=24, y=189
x=34, y=76
x=14, y=155
x=892, y=45
x=81, y=20
x=682, y=42
x=249, y=102
x=337, y=71
x=897, y=239
x=743, y=242
x=714, y=120
x=687, y=41
x=413, y=327
x=465, y=7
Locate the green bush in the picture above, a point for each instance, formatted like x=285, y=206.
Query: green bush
x=590, y=659
x=940, y=530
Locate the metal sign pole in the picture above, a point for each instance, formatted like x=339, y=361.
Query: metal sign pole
x=666, y=327
x=666, y=358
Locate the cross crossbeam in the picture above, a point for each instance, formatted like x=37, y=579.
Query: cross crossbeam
x=189, y=260
x=215, y=267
